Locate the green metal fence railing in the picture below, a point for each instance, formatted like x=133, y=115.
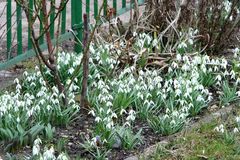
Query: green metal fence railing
x=77, y=7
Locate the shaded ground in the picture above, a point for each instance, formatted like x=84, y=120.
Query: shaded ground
x=198, y=140
x=202, y=142
x=77, y=132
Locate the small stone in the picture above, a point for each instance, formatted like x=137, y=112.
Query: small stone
x=213, y=108
x=117, y=144
x=64, y=136
x=132, y=158
x=70, y=144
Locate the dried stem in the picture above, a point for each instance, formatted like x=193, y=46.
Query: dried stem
x=85, y=63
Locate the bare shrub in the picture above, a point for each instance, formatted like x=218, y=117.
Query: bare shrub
x=216, y=20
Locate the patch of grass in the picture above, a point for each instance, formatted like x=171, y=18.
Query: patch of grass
x=202, y=143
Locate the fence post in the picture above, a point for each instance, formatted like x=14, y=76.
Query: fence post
x=95, y=8
x=88, y=9
x=30, y=21
x=115, y=5
x=19, y=29
x=123, y=3
x=9, y=28
x=64, y=12
x=52, y=15
x=76, y=11
x=105, y=7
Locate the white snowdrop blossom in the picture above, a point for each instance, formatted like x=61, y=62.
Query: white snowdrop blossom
x=219, y=128
x=235, y=130
x=49, y=154
x=131, y=115
x=36, y=146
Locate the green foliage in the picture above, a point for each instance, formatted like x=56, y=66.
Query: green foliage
x=96, y=151
x=229, y=137
x=19, y=136
x=207, y=79
x=49, y=132
x=129, y=140
x=228, y=94
x=166, y=124
x=198, y=103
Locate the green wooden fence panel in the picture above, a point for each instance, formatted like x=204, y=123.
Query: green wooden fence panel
x=105, y=7
x=29, y=30
x=95, y=8
x=63, y=25
x=123, y=3
x=19, y=29
x=31, y=53
x=76, y=22
x=9, y=28
x=88, y=8
x=76, y=7
x=52, y=16
x=115, y=4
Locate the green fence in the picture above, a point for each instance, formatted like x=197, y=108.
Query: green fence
x=77, y=10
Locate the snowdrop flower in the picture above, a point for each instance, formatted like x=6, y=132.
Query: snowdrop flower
x=62, y=156
x=109, y=104
x=236, y=52
x=109, y=125
x=235, y=130
x=92, y=113
x=98, y=119
x=101, y=110
x=30, y=112
x=170, y=69
x=173, y=122
x=185, y=67
x=18, y=119
x=219, y=128
x=182, y=115
x=131, y=115
x=237, y=119
x=166, y=116
x=200, y=98
x=70, y=70
x=179, y=57
x=42, y=101
x=190, y=41
x=225, y=73
x=18, y=86
x=174, y=65
x=178, y=92
x=182, y=45
x=16, y=81
x=155, y=42
x=227, y=6
x=49, y=107
x=109, y=111
x=218, y=78
x=237, y=81
x=36, y=147
x=114, y=115
x=25, y=73
x=134, y=34
x=49, y=154
x=123, y=111
x=167, y=110
x=238, y=93
x=233, y=75
x=175, y=113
